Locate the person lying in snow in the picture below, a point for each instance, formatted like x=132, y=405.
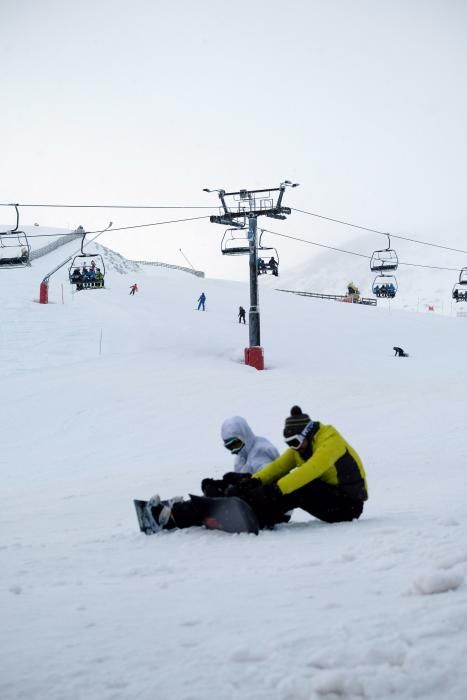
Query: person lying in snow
x=319, y=472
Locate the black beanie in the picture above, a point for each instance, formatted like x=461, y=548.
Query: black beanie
x=296, y=422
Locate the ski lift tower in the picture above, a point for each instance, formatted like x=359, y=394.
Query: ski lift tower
x=248, y=205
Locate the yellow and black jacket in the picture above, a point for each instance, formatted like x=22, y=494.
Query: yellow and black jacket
x=332, y=460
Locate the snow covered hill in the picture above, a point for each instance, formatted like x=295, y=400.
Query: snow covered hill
x=107, y=397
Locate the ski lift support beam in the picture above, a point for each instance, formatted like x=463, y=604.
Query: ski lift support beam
x=229, y=217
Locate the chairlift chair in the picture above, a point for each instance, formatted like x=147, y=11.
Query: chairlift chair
x=459, y=292
x=385, y=286
x=235, y=242
x=463, y=276
x=268, y=263
x=14, y=246
x=83, y=261
x=384, y=260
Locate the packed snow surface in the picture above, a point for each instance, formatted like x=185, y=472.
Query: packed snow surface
x=108, y=397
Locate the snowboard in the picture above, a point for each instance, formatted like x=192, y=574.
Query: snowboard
x=230, y=514
x=221, y=513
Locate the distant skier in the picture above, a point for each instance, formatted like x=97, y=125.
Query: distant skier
x=398, y=352
x=241, y=314
x=134, y=288
x=202, y=301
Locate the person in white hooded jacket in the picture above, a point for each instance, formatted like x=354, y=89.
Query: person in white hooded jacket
x=252, y=453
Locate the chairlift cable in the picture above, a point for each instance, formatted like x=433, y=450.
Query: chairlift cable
x=319, y=245
x=111, y=206
x=361, y=255
x=120, y=228
x=382, y=233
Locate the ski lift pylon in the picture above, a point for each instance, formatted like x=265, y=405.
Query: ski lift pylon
x=14, y=246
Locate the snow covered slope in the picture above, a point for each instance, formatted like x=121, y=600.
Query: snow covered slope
x=107, y=397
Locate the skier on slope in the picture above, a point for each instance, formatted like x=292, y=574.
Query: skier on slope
x=251, y=454
x=133, y=288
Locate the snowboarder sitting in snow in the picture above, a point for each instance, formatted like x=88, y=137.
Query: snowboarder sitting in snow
x=320, y=473
x=241, y=314
x=398, y=352
x=251, y=454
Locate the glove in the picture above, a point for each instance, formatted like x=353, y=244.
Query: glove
x=234, y=477
x=212, y=487
x=243, y=486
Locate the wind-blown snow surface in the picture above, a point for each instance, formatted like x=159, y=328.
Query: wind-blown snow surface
x=107, y=397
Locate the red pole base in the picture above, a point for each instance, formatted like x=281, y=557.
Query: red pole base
x=254, y=357
x=44, y=293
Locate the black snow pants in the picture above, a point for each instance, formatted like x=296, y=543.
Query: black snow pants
x=324, y=501
x=184, y=514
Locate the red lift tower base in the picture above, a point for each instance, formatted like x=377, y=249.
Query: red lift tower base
x=255, y=357
x=44, y=293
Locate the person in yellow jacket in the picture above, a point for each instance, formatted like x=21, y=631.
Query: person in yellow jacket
x=319, y=472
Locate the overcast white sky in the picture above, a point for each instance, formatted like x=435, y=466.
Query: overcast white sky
x=147, y=102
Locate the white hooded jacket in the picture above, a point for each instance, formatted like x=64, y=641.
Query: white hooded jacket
x=257, y=451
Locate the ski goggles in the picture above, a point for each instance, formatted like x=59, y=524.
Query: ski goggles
x=294, y=441
x=233, y=444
